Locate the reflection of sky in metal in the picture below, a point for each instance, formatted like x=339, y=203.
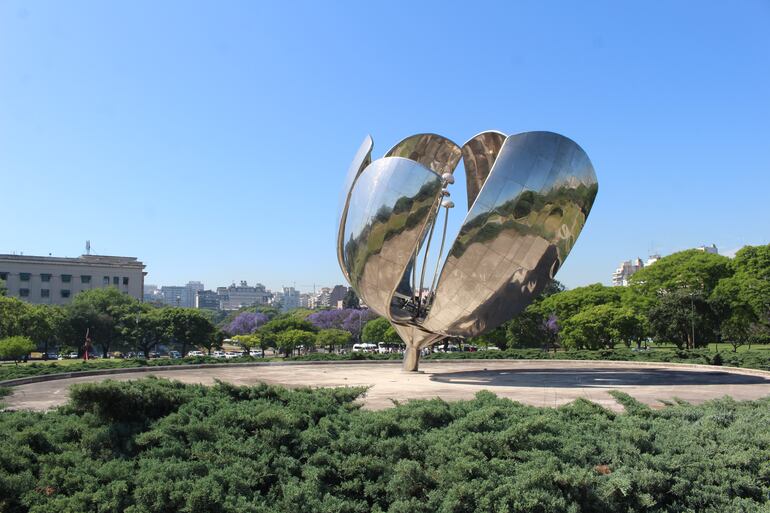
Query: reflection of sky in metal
x=523, y=222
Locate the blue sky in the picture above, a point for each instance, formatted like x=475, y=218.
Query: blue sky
x=210, y=139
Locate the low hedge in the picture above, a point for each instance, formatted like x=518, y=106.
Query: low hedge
x=747, y=359
x=153, y=445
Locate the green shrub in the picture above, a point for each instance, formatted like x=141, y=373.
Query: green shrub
x=155, y=445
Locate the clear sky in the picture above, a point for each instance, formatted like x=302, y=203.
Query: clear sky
x=211, y=139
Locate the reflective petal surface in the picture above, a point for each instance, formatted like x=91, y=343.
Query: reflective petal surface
x=432, y=151
x=529, y=196
x=521, y=227
x=389, y=208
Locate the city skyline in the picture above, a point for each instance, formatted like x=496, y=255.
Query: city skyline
x=221, y=158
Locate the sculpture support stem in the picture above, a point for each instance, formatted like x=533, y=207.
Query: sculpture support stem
x=411, y=359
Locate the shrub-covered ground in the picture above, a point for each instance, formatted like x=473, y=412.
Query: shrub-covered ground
x=749, y=359
x=159, y=446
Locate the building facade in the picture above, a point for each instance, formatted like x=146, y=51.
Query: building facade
x=235, y=296
x=625, y=271
x=290, y=298
x=56, y=280
x=337, y=296
x=207, y=299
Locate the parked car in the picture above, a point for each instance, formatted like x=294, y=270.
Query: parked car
x=233, y=354
x=364, y=348
x=174, y=354
x=255, y=352
x=52, y=356
x=218, y=354
x=154, y=354
x=72, y=356
x=195, y=353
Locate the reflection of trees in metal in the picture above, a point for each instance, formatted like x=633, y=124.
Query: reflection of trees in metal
x=529, y=198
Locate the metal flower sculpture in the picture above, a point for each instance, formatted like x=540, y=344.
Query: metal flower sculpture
x=529, y=196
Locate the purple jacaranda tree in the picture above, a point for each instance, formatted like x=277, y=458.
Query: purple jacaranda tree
x=348, y=319
x=327, y=319
x=246, y=323
x=551, y=328
x=355, y=321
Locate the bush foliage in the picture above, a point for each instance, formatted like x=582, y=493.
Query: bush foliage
x=748, y=359
x=159, y=446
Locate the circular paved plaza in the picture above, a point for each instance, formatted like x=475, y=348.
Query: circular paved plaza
x=534, y=382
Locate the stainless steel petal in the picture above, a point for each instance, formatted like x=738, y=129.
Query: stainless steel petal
x=520, y=228
x=362, y=159
x=479, y=155
x=389, y=208
x=433, y=151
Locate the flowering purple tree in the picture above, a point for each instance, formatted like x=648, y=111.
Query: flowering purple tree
x=355, y=321
x=348, y=319
x=328, y=319
x=551, y=328
x=246, y=323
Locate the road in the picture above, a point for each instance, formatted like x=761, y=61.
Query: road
x=538, y=383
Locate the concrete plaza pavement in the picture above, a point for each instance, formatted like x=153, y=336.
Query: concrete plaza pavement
x=534, y=382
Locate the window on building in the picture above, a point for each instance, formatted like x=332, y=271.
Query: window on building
x=66, y=278
x=24, y=276
x=23, y=292
x=3, y=276
x=116, y=280
x=106, y=280
x=85, y=278
x=45, y=277
x=125, y=280
x=65, y=293
x=45, y=293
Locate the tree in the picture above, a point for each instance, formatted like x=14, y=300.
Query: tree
x=246, y=323
x=691, y=270
x=332, y=338
x=291, y=339
x=98, y=312
x=144, y=328
x=747, y=292
x=16, y=348
x=215, y=340
x=684, y=318
x=591, y=328
x=326, y=319
x=286, y=323
x=249, y=341
x=3, y=290
x=42, y=324
x=12, y=311
x=569, y=302
x=356, y=320
x=380, y=330
x=526, y=330
x=351, y=299
x=630, y=327
x=187, y=327
x=497, y=337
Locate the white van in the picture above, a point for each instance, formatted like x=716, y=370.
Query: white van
x=364, y=348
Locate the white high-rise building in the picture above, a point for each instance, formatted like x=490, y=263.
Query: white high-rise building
x=191, y=290
x=709, y=249
x=235, y=296
x=625, y=271
x=290, y=298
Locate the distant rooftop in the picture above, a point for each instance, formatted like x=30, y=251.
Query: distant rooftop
x=107, y=260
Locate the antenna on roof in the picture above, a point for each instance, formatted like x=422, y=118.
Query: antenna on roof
x=88, y=247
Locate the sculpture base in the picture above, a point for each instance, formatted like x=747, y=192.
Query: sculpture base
x=411, y=359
